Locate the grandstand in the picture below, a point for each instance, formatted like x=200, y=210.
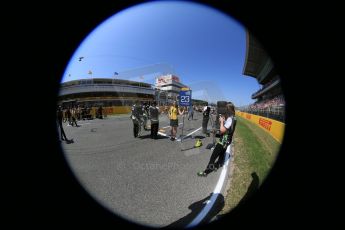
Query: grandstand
x=270, y=101
x=116, y=96
x=105, y=92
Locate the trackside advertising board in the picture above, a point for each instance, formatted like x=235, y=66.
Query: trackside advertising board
x=273, y=127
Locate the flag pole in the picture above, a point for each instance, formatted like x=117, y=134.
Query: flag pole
x=182, y=127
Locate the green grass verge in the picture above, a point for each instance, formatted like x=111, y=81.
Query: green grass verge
x=255, y=151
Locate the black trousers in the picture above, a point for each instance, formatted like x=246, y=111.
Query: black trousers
x=218, y=152
x=154, y=130
x=190, y=115
x=62, y=132
x=74, y=121
x=135, y=129
x=204, y=124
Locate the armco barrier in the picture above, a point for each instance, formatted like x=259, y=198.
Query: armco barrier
x=273, y=127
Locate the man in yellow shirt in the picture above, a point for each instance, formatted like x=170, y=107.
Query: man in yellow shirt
x=174, y=119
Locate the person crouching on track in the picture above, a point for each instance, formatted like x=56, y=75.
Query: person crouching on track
x=154, y=114
x=173, y=119
x=136, y=118
x=227, y=123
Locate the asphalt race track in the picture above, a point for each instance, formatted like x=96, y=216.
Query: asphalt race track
x=148, y=181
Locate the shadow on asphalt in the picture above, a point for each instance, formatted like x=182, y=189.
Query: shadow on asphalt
x=183, y=137
x=196, y=209
x=187, y=130
x=149, y=137
x=191, y=137
x=199, y=137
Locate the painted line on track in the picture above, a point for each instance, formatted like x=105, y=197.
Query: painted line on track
x=163, y=134
x=179, y=139
x=215, y=194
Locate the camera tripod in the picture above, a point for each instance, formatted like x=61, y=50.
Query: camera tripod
x=213, y=131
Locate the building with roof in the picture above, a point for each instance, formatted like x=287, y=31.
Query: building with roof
x=118, y=95
x=105, y=92
x=269, y=98
x=169, y=85
x=260, y=66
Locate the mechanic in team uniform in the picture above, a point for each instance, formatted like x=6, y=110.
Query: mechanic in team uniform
x=154, y=117
x=137, y=113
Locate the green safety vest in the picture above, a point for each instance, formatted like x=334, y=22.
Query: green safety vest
x=226, y=138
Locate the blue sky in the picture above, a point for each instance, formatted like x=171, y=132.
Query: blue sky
x=201, y=45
